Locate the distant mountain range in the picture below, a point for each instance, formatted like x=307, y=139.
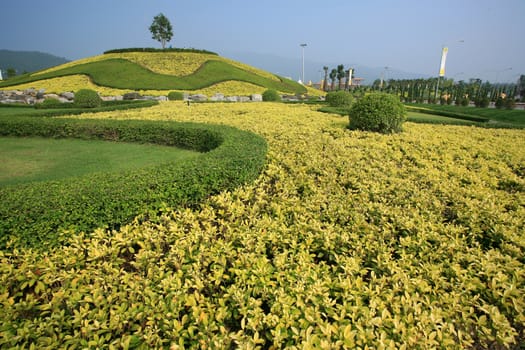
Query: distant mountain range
x=291, y=68
x=27, y=61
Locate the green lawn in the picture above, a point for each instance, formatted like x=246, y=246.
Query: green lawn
x=38, y=159
x=492, y=116
x=123, y=74
x=417, y=117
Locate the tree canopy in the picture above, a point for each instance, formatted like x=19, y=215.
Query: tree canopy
x=161, y=29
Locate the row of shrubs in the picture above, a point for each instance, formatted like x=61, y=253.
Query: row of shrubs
x=269, y=95
x=37, y=214
x=378, y=112
x=55, y=109
x=151, y=49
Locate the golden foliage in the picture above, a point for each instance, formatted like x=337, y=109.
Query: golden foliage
x=348, y=239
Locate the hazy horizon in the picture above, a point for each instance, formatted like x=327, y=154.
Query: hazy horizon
x=483, y=37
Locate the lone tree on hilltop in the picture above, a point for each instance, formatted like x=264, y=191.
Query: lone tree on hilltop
x=161, y=29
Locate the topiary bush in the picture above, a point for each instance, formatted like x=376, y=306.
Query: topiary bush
x=175, y=96
x=378, y=112
x=339, y=99
x=86, y=98
x=271, y=96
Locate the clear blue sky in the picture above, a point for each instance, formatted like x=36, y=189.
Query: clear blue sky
x=401, y=34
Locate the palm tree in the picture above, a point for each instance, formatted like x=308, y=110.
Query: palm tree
x=340, y=74
x=325, y=68
x=333, y=75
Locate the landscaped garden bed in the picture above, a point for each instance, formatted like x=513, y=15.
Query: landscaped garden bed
x=38, y=213
x=348, y=239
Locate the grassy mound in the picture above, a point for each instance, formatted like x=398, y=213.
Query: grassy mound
x=36, y=214
x=141, y=71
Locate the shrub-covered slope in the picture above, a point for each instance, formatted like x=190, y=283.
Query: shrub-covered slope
x=161, y=71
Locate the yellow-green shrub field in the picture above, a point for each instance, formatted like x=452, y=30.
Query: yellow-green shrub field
x=79, y=81
x=171, y=63
x=68, y=83
x=348, y=239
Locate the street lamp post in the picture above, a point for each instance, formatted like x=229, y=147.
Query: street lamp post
x=302, y=77
x=383, y=77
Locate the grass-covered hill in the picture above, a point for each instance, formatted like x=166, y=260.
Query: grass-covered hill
x=156, y=72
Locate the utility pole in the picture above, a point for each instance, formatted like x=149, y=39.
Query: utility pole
x=383, y=77
x=302, y=77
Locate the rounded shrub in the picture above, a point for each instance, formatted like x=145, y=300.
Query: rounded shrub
x=339, y=99
x=175, y=96
x=49, y=103
x=378, y=112
x=271, y=96
x=86, y=98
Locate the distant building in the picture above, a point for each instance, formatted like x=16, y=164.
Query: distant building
x=356, y=82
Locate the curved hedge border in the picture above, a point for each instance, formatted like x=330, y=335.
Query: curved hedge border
x=38, y=214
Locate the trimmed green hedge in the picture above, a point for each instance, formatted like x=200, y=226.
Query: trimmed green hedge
x=151, y=49
x=54, y=110
x=449, y=114
x=39, y=214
